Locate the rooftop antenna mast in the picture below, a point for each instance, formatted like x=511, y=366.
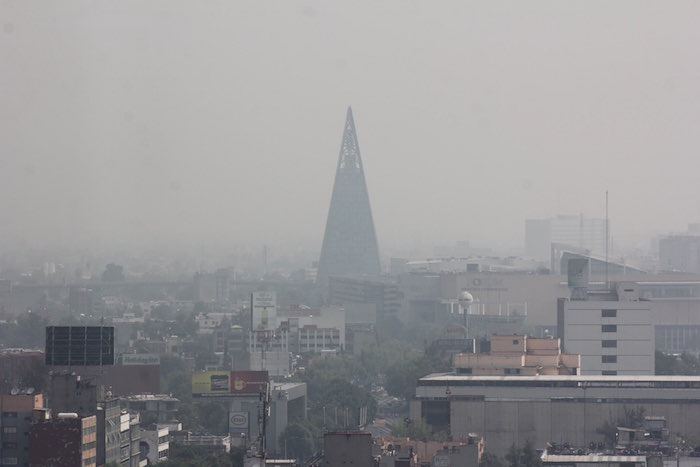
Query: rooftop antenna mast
x=607, y=241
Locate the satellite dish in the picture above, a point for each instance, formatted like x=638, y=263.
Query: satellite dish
x=14, y=391
x=30, y=391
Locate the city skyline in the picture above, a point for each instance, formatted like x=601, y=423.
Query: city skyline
x=177, y=124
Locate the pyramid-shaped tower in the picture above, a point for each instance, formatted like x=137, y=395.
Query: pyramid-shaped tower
x=350, y=243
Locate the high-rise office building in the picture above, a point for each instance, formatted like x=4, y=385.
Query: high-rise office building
x=574, y=230
x=350, y=243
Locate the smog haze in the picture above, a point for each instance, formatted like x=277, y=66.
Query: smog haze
x=184, y=123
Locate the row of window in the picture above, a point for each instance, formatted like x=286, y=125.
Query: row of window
x=506, y=371
x=609, y=328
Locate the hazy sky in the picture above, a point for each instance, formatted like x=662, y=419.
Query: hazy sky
x=186, y=121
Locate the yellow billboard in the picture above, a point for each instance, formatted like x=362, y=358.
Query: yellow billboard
x=211, y=383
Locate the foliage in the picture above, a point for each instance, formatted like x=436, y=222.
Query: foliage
x=684, y=364
x=401, y=378
x=632, y=418
x=491, y=460
x=214, y=416
x=416, y=429
x=207, y=415
x=113, y=273
x=523, y=457
x=297, y=440
x=27, y=332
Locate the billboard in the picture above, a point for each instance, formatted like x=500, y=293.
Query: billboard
x=211, y=383
x=228, y=383
x=263, y=311
x=79, y=345
x=139, y=359
x=249, y=382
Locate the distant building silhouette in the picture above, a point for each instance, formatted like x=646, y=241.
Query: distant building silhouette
x=350, y=243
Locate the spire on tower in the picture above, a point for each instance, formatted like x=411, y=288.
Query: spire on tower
x=349, y=149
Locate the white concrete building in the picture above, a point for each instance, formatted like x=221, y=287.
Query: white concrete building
x=612, y=331
x=155, y=443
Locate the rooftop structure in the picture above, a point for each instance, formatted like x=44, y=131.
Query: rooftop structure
x=518, y=355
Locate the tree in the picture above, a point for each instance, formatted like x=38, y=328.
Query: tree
x=113, y=273
x=414, y=429
x=297, y=440
x=523, y=457
x=632, y=418
x=684, y=364
x=401, y=378
x=491, y=460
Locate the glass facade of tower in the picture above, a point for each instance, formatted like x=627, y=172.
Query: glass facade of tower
x=350, y=243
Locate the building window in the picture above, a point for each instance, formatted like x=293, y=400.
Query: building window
x=9, y=414
x=9, y=429
x=9, y=445
x=9, y=461
x=609, y=373
x=465, y=371
x=511, y=371
x=609, y=328
x=515, y=342
x=609, y=313
x=609, y=358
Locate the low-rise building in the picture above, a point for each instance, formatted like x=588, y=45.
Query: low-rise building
x=159, y=408
x=154, y=444
x=212, y=443
x=509, y=410
x=518, y=355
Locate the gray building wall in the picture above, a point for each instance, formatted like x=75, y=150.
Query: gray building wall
x=623, y=343
x=513, y=410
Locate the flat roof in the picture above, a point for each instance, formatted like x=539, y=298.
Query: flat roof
x=448, y=377
x=563, y=458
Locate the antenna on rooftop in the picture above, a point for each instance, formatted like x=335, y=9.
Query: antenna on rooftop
x=607, y=240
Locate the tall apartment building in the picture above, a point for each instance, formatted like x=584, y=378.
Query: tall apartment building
x=575, y=230
x=612, y=330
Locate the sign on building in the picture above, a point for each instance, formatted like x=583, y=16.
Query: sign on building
x=211, y=383
x=79, y=345
x=264, y=311
x=140, y=359
x=238, y=422
x=227, y=384
x=249, y=382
